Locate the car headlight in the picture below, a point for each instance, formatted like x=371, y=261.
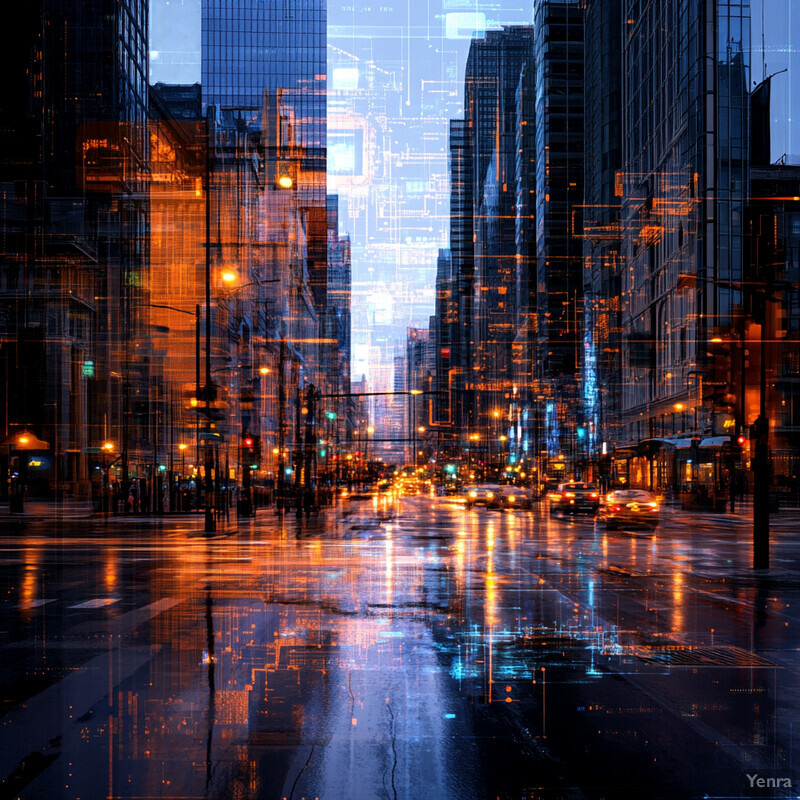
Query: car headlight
x=473, y=494
x=511, y=498
x=490, y=495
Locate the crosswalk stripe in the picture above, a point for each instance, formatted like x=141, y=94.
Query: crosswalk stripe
x=98, y=602
x=34, y=603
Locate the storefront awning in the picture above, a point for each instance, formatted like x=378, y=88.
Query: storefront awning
x=714, y=441
x=661, y=443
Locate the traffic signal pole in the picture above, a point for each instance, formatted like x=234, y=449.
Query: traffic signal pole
x=760, y=432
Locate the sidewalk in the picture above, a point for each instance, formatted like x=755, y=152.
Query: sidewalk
x=744, y=513
x=50, y=510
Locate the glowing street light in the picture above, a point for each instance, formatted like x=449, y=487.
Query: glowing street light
x=182, y=448
x=285, y=182
x=228, y=276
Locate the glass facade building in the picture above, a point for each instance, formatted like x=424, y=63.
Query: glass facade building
x=559, y=147
x=249, y=46
x=74, y=267
x=684, y=193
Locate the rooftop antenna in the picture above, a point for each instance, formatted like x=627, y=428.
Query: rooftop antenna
x=763, y=45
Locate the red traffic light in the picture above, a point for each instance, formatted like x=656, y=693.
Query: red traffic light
x=740, y=440
x=247, y=441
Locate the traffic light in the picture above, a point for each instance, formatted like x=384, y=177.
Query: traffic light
x=251, y=449
x=740, y=440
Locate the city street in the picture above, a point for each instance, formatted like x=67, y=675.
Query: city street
x=441, y=653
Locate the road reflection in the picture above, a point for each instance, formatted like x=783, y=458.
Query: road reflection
x=357, y=655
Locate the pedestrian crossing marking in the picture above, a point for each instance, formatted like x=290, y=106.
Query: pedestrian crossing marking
x=34, y=603
x=98, y=602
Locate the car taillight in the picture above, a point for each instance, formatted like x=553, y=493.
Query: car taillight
x=616, y=508
x=555, y=496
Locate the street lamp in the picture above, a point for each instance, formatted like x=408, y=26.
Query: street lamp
x=108, y=448
x=473, y=437
x=370, y=431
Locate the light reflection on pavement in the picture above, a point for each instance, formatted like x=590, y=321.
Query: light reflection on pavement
x=443, y=653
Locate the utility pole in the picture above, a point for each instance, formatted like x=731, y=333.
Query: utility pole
x=281, y=482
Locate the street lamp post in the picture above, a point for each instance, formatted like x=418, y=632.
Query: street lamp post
x=108, y=448
x=370, y=431
x=412, y=423
x=473, y=437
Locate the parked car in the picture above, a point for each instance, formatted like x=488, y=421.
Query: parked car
x=575, y=498
x=486, y=494
x=630, y=508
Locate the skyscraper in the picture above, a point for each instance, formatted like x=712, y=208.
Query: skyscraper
x=72, y=170
x=666, y=279
x=559, y=199
x=263, y=60
x=263, y=85
x=602, y=232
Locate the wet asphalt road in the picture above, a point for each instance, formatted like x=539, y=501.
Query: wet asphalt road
x=443, y=653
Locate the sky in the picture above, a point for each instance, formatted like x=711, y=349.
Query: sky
x=175, y=41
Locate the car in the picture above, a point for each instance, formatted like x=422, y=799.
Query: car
x=549, y=486
x=486, y=494
x=630, y=508
x=575, y=498
x=517, y=497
